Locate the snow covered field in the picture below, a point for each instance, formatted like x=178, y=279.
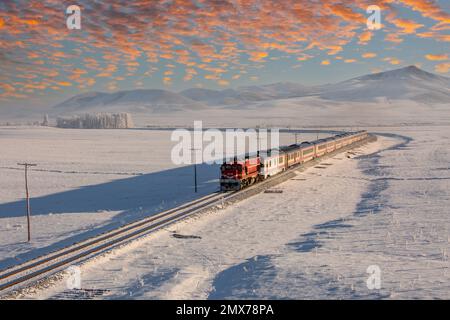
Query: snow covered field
x=87, y=182
x=387, y=206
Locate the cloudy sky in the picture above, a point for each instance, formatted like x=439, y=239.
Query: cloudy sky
x=177, y=44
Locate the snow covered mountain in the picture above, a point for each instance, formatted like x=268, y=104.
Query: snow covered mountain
x=152, y=100
x=280, y=90
x=212, y=97
x=408, y=83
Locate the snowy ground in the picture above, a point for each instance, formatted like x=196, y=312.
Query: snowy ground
x=87, y=182
x=387, y=206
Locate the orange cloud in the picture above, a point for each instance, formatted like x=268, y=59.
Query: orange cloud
x=407, y=26
x=369, y=55
x=304, y=57
x=392, y=37
x=202, y=35
x=257, y=56
x=393, y=61
x=428, y=9
x=442, y=67
x=64, y=83
x=223, y=83
x=436, y=57
x=167, y=80
x=365, y=37
x=345, y=12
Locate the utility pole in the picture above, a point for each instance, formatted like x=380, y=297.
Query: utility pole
x=26, y=165
x=296, y=134
x=259, y=138
x=195, y=169
x=257, y=141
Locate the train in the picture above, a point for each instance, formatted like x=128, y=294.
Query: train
x=238, y=174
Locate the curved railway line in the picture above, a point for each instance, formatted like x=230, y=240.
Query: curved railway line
x=40, y=268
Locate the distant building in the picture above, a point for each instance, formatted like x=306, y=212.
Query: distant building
x=96, y=121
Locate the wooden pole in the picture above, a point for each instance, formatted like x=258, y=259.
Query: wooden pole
x=257, y=141
x=195, y=168
x=195, y=175
x=26, y=165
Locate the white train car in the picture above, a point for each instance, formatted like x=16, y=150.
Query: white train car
x=270, y=164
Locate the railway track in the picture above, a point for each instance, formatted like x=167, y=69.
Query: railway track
x=47, y=265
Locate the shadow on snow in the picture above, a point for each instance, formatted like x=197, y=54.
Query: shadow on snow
x=134, y=198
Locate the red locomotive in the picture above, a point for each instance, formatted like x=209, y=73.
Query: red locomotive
x=237, y=175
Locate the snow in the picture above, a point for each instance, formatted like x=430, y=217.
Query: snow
x=88, y=182
x=386, y=205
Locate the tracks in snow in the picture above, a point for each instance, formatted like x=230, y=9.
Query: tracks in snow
x=41, y=268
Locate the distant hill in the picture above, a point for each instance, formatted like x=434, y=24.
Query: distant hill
x=408, y=83
x=212, y=97
x=150, y=100
x=280, y=90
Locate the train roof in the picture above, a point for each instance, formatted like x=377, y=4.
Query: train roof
x=320, y=141
x=306, y=144
x=290, y=148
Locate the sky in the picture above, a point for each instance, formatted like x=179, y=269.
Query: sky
x=215, y=44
